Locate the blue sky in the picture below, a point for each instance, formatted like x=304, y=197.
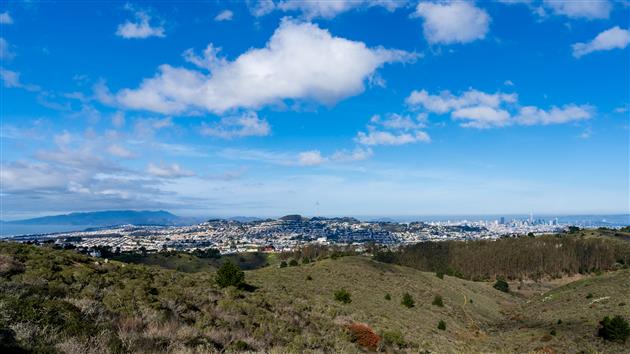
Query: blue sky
x=319, y=108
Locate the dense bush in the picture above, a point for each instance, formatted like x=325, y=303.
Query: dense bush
x=388, y=297
x=513, y=258
x=441, y=325
x=437, y=301
x=407, y=300
x=283, y=264
x=502, y=285
x=394, y=338
x=364, y=336
x=230, y=275
x=615, y=329
x=63, y=301
x=293, y=263
x=343, y=296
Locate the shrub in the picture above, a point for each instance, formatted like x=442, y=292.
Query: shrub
x=589, y=295
x=283, y=264
x=230, y=275
x=308, y=277
x=450, y=271
x=615, y=329
x=394, y=338
x=437, y=301
x=559, y=322
x=439, y=275
x=407, y=300
x=293, y=263
x=502, y=285
x=553, y=332
x=9, y=266
x=363, y=335
x=441, y=325
x=343, y=296
x=388, y=297
x=240, y=345
x=306, y=260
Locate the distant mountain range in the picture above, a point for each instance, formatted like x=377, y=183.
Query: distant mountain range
x=109, y=218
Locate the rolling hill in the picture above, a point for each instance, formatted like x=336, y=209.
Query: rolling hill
x=77, y=304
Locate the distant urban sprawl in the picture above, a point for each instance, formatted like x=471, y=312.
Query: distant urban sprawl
x=290, y=232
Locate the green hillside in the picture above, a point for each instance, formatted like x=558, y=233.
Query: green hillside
x=60, y=301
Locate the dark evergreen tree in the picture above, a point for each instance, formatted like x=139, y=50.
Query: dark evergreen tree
x=230, y=275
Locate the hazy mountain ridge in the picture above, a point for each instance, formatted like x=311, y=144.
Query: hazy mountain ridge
x=109, y=217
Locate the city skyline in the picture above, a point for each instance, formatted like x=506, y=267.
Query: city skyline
x=363, y=108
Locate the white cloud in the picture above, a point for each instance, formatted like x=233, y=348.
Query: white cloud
x=378, y=137
x=531, y=115
x=24, y=176
x=300, y=62
x=589, y=9
x=5, y=18
x=394, y=129
x=445, y=101
x=358, y=154
x=148, y=127
x=11, y=79
x=141, y=28
x=262, y=7
x=5, y=50
x=120, y=151
x=247, y=124
x=310, y=158
x=118, y=119
x=304, y=158
x=168, y=171
x=331, y=8
x=452, y=22
x=614, y=38
x=485, y=110
x=397, y=121
x=508, y=83
x=102, y=94
x=225, y=15
x=63, y=139
x=482, y=116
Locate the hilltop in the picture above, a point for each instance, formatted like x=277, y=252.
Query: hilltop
x=78, y=304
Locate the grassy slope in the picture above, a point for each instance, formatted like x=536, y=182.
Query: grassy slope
x=493, y=322
x=579, y=312
x=149, y=309
x=369, y=281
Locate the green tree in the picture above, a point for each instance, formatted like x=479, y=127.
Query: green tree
x=388, y=297
x=293, y=263
x=283, y=264
x=502, y=285
x=441, y=325
x=407, y=300
x=615, y=329
x=343, y=296
x=437, y=301
x=230, y=275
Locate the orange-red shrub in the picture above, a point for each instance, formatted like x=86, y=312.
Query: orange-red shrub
x=364, y=336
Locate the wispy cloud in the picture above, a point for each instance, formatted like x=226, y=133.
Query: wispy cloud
x=141, y=28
